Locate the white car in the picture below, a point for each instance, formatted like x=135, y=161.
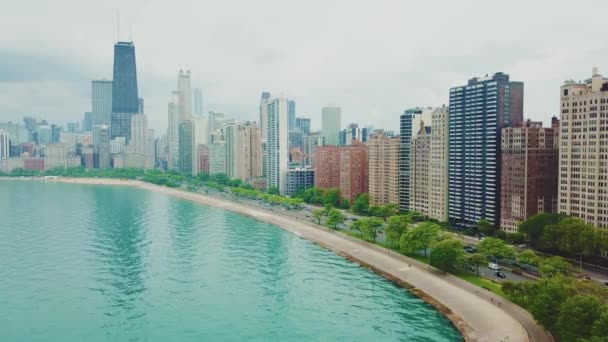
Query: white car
x=494, y=266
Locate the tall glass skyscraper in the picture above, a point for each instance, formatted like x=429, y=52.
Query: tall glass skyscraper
x=405, y=143
x=125, y=101
x=478, y=112
x=292, y=114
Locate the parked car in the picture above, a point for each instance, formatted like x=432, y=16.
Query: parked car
x=494, y=266
x=523, y=245
x=500, y=275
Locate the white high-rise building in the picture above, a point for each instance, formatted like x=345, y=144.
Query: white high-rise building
x=277, y=144
x=173, y=133
x=583, y=155
x=216, y=121
x=198, y=102
x=139, y=131
x=201, y=130
x=101, y=102
x=438, y=194
x=331, y=123
x=265, y=98
x=185, y=95
x=4, y=144
x=243, y=151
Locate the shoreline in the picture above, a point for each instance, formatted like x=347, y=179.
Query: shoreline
x=468, y=307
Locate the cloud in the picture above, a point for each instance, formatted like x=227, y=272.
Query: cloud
x=373, y=58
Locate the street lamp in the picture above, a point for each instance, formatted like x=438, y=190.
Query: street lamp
x=580, y=261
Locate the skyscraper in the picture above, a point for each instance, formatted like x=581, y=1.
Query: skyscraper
x=139, y=128
x=198, y=102
x=277, y=144
x=86, y=122
x=303, y=124
x=583, y=155
x=529, y=172
x=292, y=114
x=173, y=134
x=185, y=95
x=438, y=193
x=125, y=101
x=383, y=169
x=478, y=112
x=420, y=169
x=186, y=148
x=343, y=167
x=103, y=147
x=4, y=145
x=264, y=99
x=405, y=148
x=331, y=123
x=101, y=102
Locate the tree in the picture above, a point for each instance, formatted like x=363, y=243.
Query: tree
x=600, y=327
x=516, y=238
x=361, y=204
x=528, y=257
x=577, y=316
x=327, y=208
x=495, y=248
x=476, y=260
x=334, y=218
x=447, y=255
x=317, y=214
x=273, y=190
x=485, y=227
x=395, y=227
x=368, y=228
x=420, y=237
x=553, y=266
x=388, y=210
x=534, y=226
x=332, y=196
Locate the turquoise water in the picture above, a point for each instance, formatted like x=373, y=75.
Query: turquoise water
x=93, y=263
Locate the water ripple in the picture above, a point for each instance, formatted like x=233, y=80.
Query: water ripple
x=118, y=264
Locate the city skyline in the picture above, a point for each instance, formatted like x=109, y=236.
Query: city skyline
x=370, y=88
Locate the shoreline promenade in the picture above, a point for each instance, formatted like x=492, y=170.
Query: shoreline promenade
x=473, y=310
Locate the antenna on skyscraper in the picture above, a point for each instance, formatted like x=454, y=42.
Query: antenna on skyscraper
x=117, y=25
x=131, y=33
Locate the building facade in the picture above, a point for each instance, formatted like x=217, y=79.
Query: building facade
x=420, y=170
x=4, y=144
x=583, y=154
x=184, y=87
x=438, y=189
x=344, y=167
x=277, y=144
x=478, y=112
x=331, y=117
x=529, y=172
x=186, y=148
x=299, y=179
x=217, y=157
x=125, y=101
x=383, y=168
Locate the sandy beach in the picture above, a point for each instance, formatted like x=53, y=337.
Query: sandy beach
x=474, y=311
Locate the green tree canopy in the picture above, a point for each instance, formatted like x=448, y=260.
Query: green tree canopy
x=495, y=248
x=334, y=218
x=553, y=266
x=534, y=226
x=361, y=204
x=317, y=214
x=577, y=317
x=528, y=257
x=476, y=260
x=368, y=227
x=447, y=255
x=395, y=227
x=421, y=237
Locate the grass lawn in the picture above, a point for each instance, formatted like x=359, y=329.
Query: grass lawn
x=482, y=282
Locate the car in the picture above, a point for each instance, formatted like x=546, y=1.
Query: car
x=500, y=275
x=494, y=266
x=523, y=245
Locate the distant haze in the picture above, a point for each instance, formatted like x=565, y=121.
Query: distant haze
x=374, y=58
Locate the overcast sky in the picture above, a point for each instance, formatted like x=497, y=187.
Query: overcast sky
x=374, y=58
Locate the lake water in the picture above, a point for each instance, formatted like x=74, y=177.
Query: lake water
x=95, y=263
